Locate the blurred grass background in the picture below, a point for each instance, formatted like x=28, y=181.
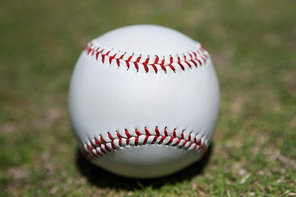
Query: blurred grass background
x=252, y=45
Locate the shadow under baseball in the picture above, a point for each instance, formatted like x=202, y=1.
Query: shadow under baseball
x=102, y=178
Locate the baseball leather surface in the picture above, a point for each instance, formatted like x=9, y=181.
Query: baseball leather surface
x=143, y=101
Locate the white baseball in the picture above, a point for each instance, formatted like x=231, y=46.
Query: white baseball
x=144, y=101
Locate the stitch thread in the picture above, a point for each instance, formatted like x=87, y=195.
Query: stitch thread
x=194, y=58
x=98, y=146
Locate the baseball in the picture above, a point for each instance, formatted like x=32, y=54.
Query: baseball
x=144, y=101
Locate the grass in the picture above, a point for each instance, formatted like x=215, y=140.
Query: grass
x=253, y=47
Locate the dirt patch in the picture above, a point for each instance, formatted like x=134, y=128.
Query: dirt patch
x=10, y=127
x=18, y=173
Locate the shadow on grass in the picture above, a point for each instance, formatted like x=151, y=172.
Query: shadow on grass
x=102, y=178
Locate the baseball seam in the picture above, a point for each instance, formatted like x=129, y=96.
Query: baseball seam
x=189, y=59
x=99, y=146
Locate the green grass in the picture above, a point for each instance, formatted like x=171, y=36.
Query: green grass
x=253, y=47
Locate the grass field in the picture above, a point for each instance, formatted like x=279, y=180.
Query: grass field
x=252, y=45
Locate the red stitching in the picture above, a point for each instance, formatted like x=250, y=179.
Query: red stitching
x=185, y=60
x=127, y=134
x=174, y=133
x=170, y=141
x=180, y=64
x=145, y=65
x=191, y=60
x=145, y=140
x=157, y=131
x=99, y=146
x=111, y=58
x=110, y=136
x=166, y=132
x=178, y=141
x=127, y=61
x=198, y=57
x=162, y=65
x=154, y=139
x=147, y=132
x=137, y=132
x=171, y=64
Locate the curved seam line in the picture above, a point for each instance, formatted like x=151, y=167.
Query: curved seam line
x=101, y=146
x=197, y=57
